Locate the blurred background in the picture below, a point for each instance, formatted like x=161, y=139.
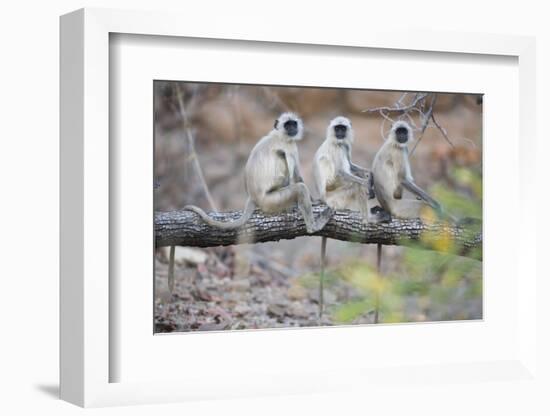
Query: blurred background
x=203, y=135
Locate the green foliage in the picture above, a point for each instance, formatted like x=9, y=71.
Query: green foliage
x=311, y=280
x=426, y=285
x=349, y=311
x=461, y=204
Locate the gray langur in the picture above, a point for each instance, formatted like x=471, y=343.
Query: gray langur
x=340, y=183
x=272, y=178
x=392, y=174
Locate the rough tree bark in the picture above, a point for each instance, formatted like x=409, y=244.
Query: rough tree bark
x=185, y=228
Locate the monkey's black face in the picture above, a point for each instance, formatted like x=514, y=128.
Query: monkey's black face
x=291, y=128
x=340, y=131
x=402, y=135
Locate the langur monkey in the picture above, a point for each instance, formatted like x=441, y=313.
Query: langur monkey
x=273, y=180
x=392, y=173
x=340, y=183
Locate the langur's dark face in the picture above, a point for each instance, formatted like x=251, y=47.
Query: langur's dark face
x=340, y=131
x=291, y=128
x=402, y=135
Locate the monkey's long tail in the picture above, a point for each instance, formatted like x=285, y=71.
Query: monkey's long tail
x=322, y=277
x=248, y=211
x=378, y=271
x=171, y=269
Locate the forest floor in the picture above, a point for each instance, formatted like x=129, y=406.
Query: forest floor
x=226, y=289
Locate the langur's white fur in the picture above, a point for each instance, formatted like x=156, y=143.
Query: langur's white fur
x=392, y=174
x=274, y=164
x=272, y=177
x=340, y=183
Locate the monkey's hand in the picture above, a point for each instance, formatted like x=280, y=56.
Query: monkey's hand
x=398, y=193
x=358, y=170
x=352, y=178
x=419, y=192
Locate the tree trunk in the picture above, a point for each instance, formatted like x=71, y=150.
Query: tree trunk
x=185, y=228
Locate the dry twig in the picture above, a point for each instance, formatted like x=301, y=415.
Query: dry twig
x=422, y=104
x=191, y=141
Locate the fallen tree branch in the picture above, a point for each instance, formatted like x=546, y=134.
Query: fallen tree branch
x=185, y=228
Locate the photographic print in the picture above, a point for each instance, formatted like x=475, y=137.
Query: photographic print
x=286, y=206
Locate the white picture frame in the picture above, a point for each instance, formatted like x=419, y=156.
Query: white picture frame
x=87, y=302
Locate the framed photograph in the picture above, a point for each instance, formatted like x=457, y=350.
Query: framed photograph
x=286, y=213
x=233, y=282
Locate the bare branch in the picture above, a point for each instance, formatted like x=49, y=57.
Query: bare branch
x=192, y=154
x=425, y=121
x=402, y=109
x=443, y=131
x=400, y=101
x=423, y=104
x=275, y=99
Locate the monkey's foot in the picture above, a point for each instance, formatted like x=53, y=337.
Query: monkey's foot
x=324, y=216
x=379, y=214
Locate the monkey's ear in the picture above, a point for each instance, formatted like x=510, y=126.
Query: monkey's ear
x=276, y=124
